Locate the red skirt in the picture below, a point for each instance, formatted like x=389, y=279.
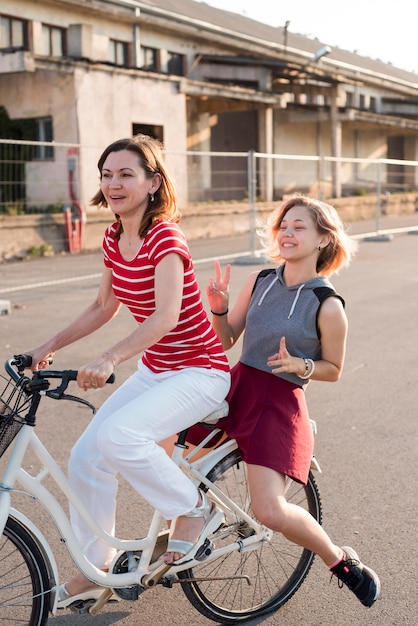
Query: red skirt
x=269, y=419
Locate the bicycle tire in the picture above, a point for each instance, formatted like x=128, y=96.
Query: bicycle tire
x=24, y=581
x=276, y=570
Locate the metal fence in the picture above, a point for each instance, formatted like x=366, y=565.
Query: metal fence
x=43, y=177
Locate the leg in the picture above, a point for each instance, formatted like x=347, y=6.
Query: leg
x=188, y=539
x=94, y=481
x=129, y=441
x=267, y=490
x=123, y=438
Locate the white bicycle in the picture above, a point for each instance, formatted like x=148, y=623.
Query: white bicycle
x=248, y=570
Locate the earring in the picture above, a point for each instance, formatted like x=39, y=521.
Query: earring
x=152, y=197
x=319, y=247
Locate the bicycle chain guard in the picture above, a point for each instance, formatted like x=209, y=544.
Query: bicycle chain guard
x=125, y=563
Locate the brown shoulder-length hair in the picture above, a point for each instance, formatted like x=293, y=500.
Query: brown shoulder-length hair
x=150, y=157
x=332, y=257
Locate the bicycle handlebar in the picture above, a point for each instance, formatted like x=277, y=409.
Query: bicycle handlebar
x=16, y=365
x=40, y=381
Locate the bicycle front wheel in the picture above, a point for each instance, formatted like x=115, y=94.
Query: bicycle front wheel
x=246, y=585
x=24, y=584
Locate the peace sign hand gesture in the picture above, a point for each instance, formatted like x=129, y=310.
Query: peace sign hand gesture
x=217, y=290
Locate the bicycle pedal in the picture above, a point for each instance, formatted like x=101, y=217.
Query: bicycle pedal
x=81, y=606
x=204, y=551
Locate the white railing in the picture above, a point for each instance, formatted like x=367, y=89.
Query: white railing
x=42, y=177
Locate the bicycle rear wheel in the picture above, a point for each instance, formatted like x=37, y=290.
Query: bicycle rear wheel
x=24, y=584
x=246, y=585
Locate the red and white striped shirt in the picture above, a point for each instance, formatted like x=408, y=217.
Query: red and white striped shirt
x=193, y=343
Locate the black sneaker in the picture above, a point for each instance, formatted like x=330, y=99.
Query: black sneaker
x=361, y=580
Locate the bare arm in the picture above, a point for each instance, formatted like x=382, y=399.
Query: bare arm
x=101, y=310
x=228, y=327
x=169, y=279
x=333, y=326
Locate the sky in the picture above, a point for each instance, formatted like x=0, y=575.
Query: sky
x=379, y=29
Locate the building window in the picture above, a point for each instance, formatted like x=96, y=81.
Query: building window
x=149, y=59
x=53, y=41
x=175, y=64
x=44, y=132
x=13, y=33
x=118, y=52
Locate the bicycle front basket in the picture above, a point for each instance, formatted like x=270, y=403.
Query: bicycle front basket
x=13, y=403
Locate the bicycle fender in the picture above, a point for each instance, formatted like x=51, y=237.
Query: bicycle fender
x=4, y=508
x=45, y=549
x=210, y=459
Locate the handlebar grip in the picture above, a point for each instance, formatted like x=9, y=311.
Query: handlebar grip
x=72, y=375
x=16, y=365
x=22, y=361
x=68, y=374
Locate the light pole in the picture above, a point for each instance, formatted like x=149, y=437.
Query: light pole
x=321, y=53
x=286, y=26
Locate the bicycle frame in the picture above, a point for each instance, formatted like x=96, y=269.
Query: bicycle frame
x=32, y=486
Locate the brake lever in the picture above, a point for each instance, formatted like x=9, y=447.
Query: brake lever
x=56, y=394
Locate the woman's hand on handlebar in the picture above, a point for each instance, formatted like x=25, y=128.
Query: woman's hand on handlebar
x=41, y=359
x=95, y=374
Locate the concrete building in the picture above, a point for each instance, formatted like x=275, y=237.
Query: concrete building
x=83, y=73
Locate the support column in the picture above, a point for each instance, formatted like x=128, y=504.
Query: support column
x=136, y=53
x=265, y=165
x=336, y=136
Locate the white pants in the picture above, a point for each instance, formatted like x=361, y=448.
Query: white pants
x=122, y=438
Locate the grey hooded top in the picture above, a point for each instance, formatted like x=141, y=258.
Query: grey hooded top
x=276, y=311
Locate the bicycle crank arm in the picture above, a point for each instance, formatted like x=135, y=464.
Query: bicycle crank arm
x=151, y=579
x=95, y=608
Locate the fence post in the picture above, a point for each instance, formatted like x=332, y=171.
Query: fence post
x=379, y=193
x=252, y=184
x=321, y=176
x=379, y=236
x=252, y=188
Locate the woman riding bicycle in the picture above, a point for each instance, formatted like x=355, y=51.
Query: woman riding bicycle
x=183, y=373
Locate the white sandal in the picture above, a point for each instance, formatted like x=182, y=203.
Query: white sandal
x=203, y=547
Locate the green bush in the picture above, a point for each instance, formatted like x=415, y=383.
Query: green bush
x=43, y=250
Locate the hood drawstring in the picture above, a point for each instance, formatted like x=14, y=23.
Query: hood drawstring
x=295, y=301
x=265, y=292
x=263, y=295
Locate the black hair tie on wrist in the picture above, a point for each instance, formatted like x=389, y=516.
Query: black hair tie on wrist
x=219, y=314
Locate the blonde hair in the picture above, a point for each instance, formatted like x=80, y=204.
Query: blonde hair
x=150, y=156
x=332, y=257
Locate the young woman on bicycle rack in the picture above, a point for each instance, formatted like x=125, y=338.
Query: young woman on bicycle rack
x=295, y=330
x=183, y=373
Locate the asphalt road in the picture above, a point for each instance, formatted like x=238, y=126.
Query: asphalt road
x=367, y=433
